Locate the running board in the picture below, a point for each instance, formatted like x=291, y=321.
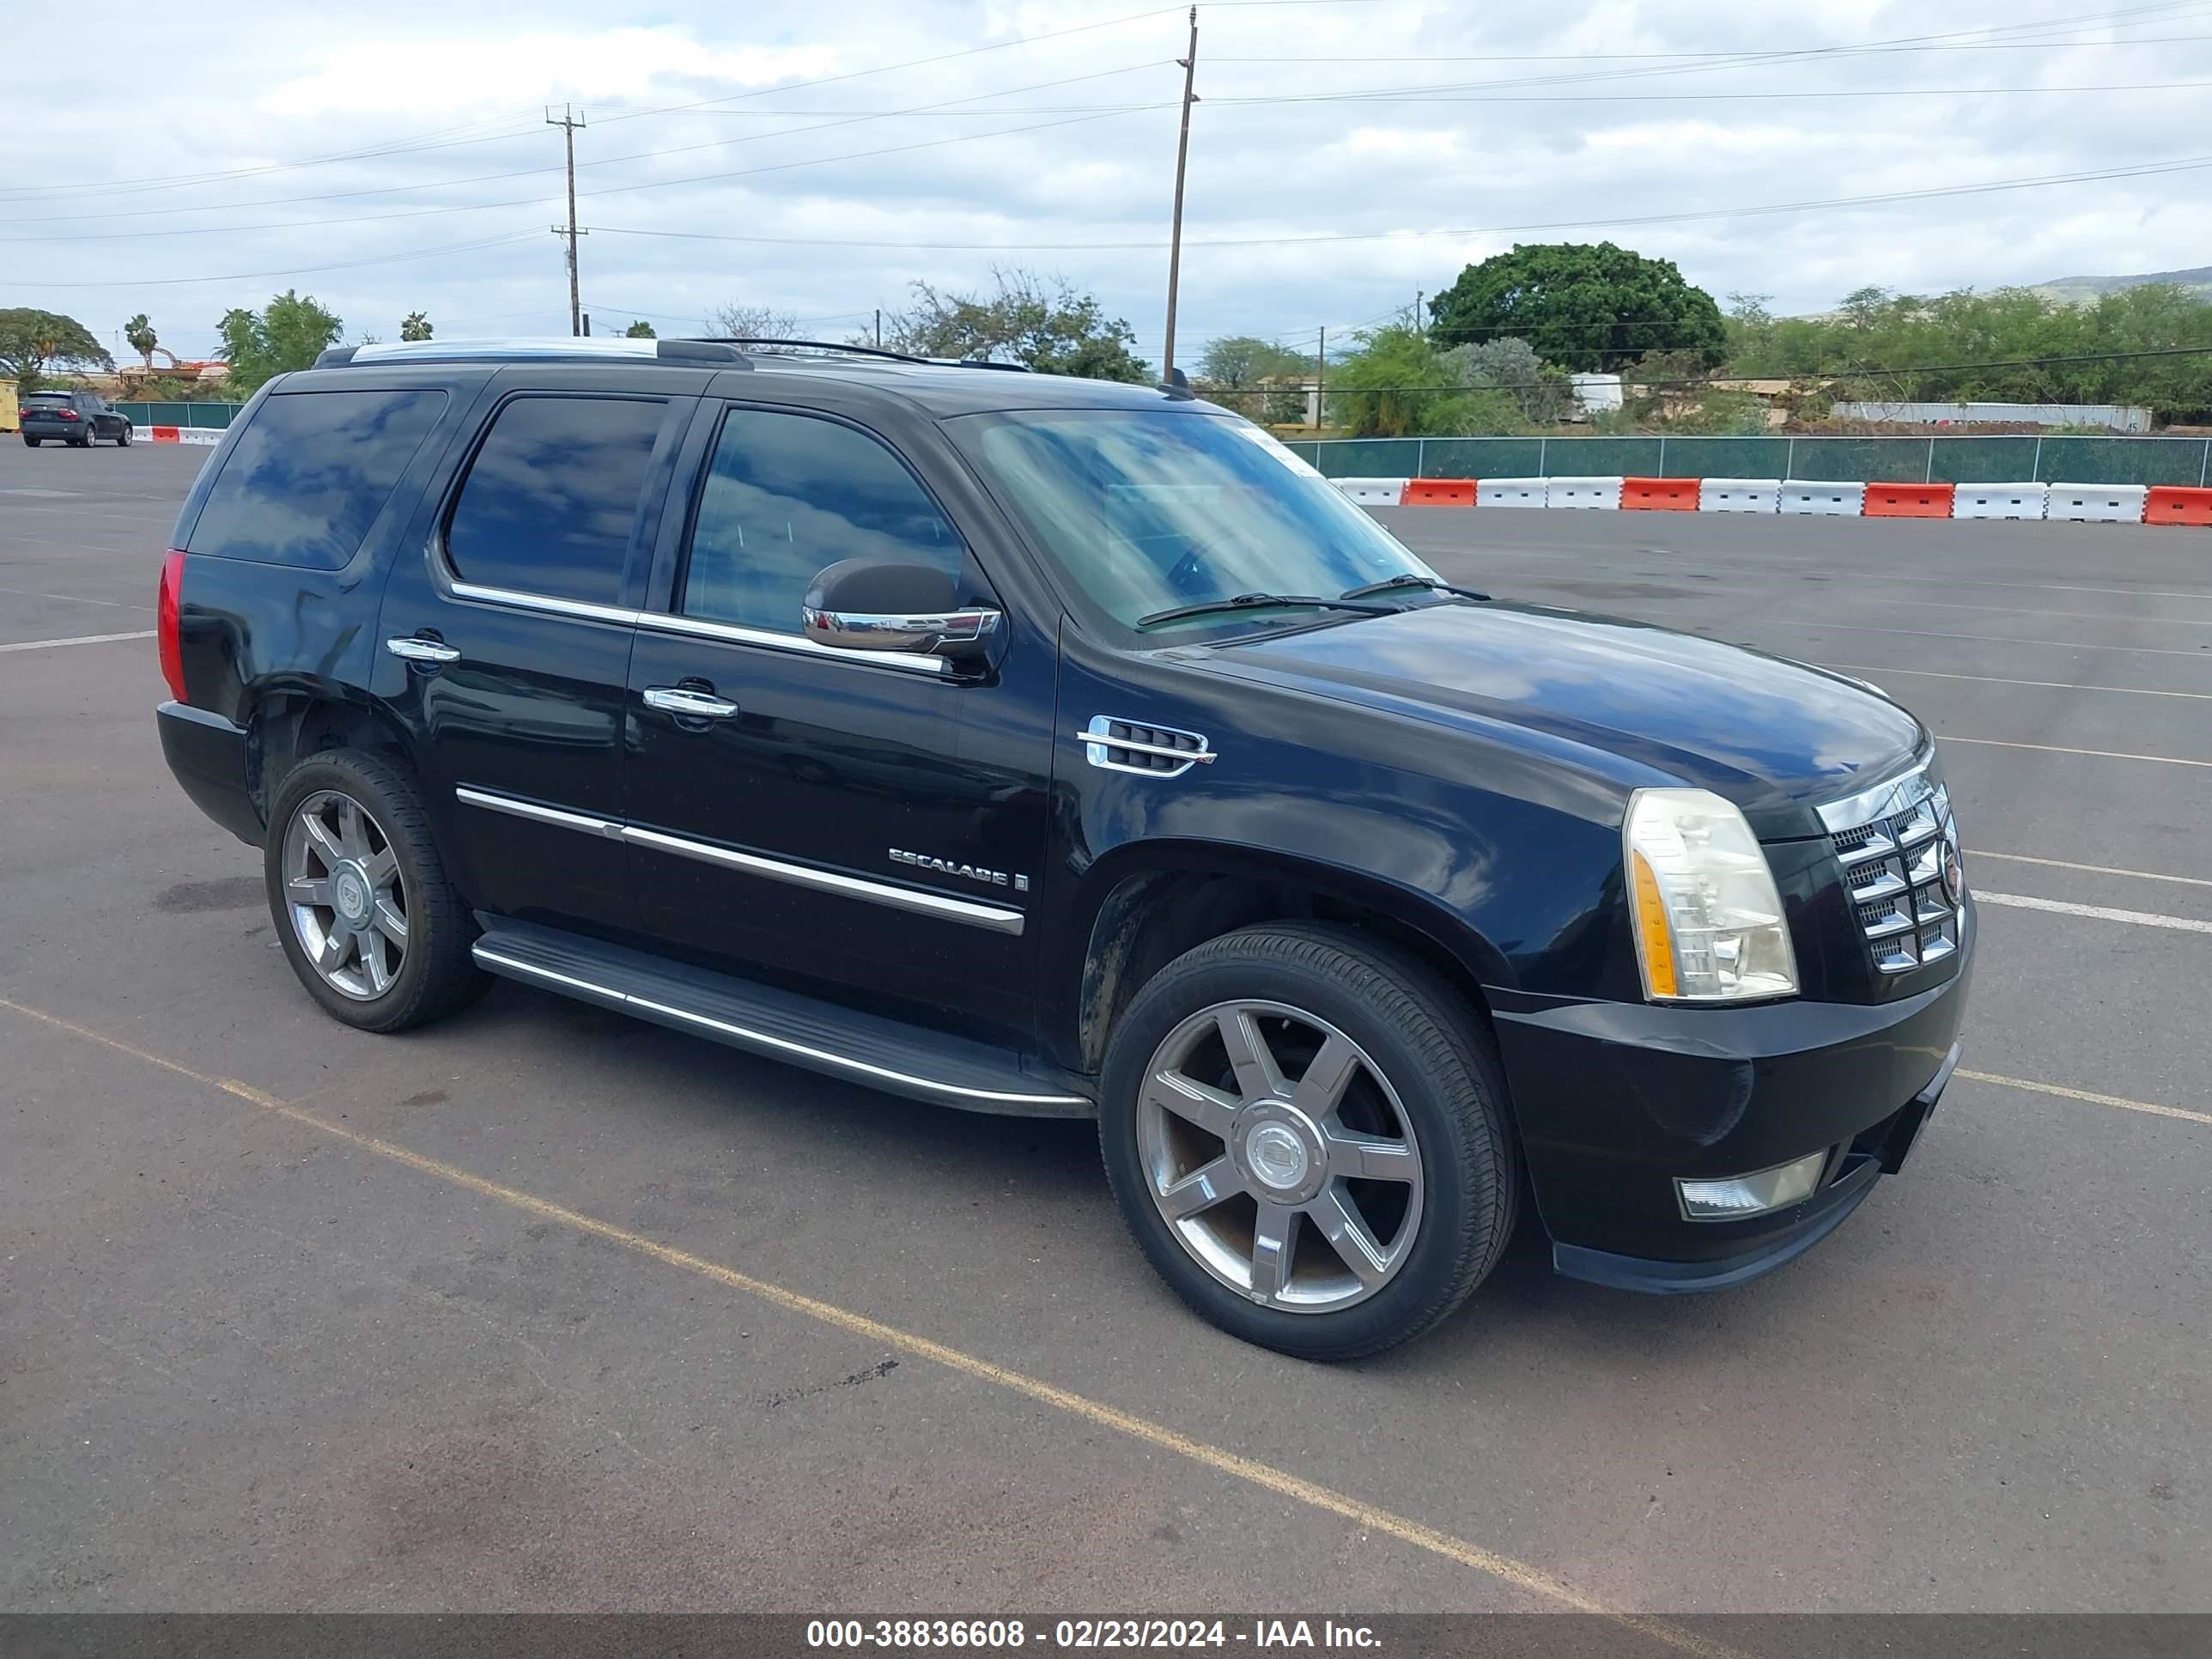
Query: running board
x=823, y=1037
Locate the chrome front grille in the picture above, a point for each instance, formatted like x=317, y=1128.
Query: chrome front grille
x=1898, y=847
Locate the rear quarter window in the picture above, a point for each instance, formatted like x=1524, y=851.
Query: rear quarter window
x=306, y=479
x=551, y=500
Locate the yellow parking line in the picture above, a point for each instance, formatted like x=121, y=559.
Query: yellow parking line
x=1504, y=1568
x=2091, y=1095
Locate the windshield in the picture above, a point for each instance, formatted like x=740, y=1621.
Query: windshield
x=1149, y=510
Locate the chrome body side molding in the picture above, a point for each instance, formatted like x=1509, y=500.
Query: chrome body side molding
x=996, y=918
x=662, y=621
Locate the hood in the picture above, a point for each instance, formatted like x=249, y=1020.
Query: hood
x=1773, y=736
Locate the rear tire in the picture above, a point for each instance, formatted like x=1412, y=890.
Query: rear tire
x=366, y=916
x=29, y=443
x=1277, y=1101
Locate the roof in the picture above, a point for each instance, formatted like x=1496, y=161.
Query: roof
x=939, y=387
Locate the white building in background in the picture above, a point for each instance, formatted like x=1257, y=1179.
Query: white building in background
x=1595, y=394
x=2118, y=418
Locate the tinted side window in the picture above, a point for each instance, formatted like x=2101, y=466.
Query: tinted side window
x=552, y=498
x=785, y=496
x=306, y=479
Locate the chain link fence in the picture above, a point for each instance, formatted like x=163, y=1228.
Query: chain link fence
x=208, y=416
x=2024, y=459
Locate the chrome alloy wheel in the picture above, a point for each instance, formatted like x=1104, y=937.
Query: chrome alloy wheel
x=1279, y=1156
x=343, y=891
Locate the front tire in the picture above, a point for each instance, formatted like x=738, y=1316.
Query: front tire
x=122, y=438
x=1306, y=1130
x=367, y=918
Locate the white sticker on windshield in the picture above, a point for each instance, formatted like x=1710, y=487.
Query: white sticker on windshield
x=1276, y=447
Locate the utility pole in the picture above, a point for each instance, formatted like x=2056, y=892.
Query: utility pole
x=1320, y=375
x=1175, y=240
x=1419, y=295
x=879, y=328
x=569, y=122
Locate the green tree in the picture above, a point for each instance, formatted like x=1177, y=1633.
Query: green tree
x=1395, y=384
x=1041, y=322
x=1543, y=393
x=34, y=340
x=415, y=326
x=1580, y=306
x=1885, y=346
x=1236, y=361
x=1258, y=379
x=290, y=332
x=139, y=332
x=639, y=330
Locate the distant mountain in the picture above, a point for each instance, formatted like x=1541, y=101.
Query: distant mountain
x=2080, y=290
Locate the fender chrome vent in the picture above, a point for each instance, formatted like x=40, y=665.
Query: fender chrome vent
x=1159, y=751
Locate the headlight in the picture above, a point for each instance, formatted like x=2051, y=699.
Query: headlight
x=1709, y=925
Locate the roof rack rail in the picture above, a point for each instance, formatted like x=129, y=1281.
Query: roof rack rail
x=803, y=345
x=575, y=346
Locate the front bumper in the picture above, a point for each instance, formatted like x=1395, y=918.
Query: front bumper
x=212, y=758
x=1617, y=1100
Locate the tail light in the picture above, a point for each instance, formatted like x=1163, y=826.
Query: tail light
x=71, y=415
x=164, y=623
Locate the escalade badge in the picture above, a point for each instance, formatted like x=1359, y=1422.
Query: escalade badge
x=971, y=871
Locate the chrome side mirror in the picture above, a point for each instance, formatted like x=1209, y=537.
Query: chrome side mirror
x=873, y=605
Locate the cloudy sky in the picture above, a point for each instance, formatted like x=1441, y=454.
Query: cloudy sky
x=817, y=159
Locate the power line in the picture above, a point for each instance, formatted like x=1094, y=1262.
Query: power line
x=667, y=109
x=532, y=173
x=2137, y=170
x=1415, y=96
x=298, y=270
x=423, y=141
x=375, y=152
x=1699, y=61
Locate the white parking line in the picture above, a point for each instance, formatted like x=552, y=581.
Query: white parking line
x=2097, y=912
x=2070, y=616
x=2093, y=869
x=1993, y=679
x=75, y=598
x=82, y=639
x=2056, y=748
x=1992, y=638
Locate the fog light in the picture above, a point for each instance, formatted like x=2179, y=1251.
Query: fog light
x=1731, y=1198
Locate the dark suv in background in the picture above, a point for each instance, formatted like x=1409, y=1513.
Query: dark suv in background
x=72, y=417
x=1041, y=745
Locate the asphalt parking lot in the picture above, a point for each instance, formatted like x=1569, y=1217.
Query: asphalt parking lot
x=544, y=1309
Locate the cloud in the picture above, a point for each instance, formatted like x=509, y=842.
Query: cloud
x=397, y=76
x=1421, y=133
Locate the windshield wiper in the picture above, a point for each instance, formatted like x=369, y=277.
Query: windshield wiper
x=1411, y=578
x=1250, y=601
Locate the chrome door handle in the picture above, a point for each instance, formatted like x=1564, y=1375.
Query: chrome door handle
x=694, y=705
x=422, y=650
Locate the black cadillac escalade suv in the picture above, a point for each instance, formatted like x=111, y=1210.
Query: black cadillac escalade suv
x=1041, y=745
